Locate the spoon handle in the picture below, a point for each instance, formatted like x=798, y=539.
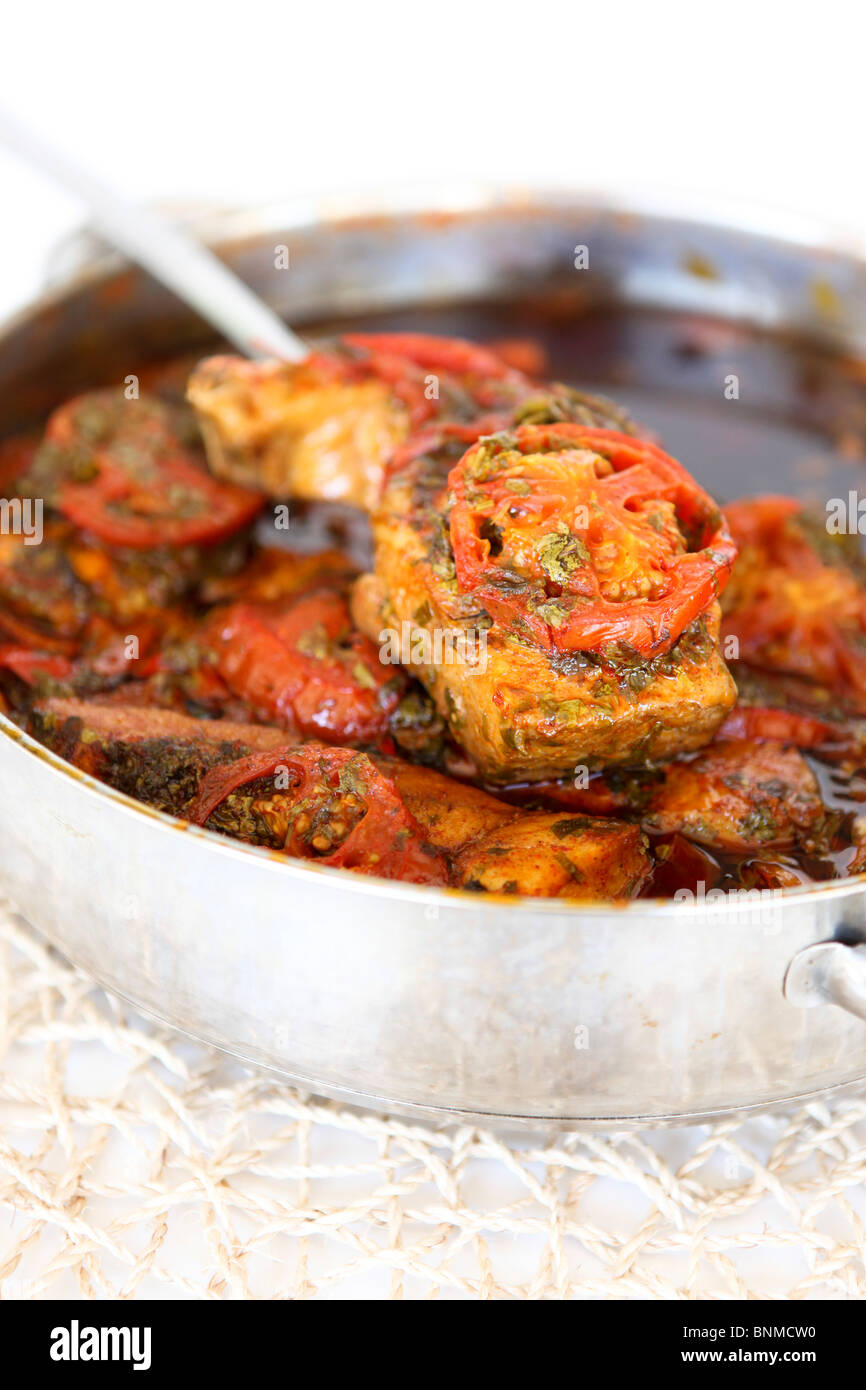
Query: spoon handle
x=190, y=269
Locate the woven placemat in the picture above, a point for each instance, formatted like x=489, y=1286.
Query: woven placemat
x=134, y=1163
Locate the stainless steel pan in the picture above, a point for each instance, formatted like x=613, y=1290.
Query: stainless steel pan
x=422, y=1000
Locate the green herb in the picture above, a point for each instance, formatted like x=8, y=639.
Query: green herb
x=552, y=612
x=560, y=555
x=563, y=828
x=571, y=869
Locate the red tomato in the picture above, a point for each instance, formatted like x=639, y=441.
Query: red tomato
x=455, y=355
x=757, y=520
x=585, y=538
x=28, y=665
x=183, y=506
x=126, y=477
x=762, y=724
x=523, y=354
x=332, y=784
x=302, y=664
x=474, y=379
x=792, y=608
x=26, y=635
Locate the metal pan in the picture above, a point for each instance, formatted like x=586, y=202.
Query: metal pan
x=427, y=1001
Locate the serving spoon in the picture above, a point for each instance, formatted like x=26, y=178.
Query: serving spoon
x=189, y=269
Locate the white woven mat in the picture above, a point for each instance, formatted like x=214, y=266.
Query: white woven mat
x=134, y=1163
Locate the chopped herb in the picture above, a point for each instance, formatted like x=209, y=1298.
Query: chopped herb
x=563, y=828
x=571, y=869
x=560, y=555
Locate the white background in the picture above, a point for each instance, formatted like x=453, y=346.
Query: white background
x=756, y=101
x=254, y=101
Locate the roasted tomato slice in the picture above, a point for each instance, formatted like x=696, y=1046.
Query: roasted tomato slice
x=340, y=810
x=761, y=520
x=301, y=663
x=127, y=476
x=762, y=724
x=42, y=603
x=525, y=355
x=29, y=666
x=475, y=378
x=797, y=603
x=185, y=506
x=586, y=538
x=456, y=355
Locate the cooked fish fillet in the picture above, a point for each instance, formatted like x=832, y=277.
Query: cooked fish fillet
x=519, y=711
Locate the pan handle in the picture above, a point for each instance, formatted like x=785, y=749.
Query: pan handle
x=828, y=973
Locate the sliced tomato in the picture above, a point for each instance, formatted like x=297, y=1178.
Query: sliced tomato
x=28, y=635
x=339, y=798
x=93, y=418
x=183, y=506
x=794, y=607
x=42, y=605
x=757, y=520
x=762, y=724
x=474, y=379
x=456, y=355
x=525, y=355
x=584, y=538
x=28, y=665
x=126, y=477
x=300, y=662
